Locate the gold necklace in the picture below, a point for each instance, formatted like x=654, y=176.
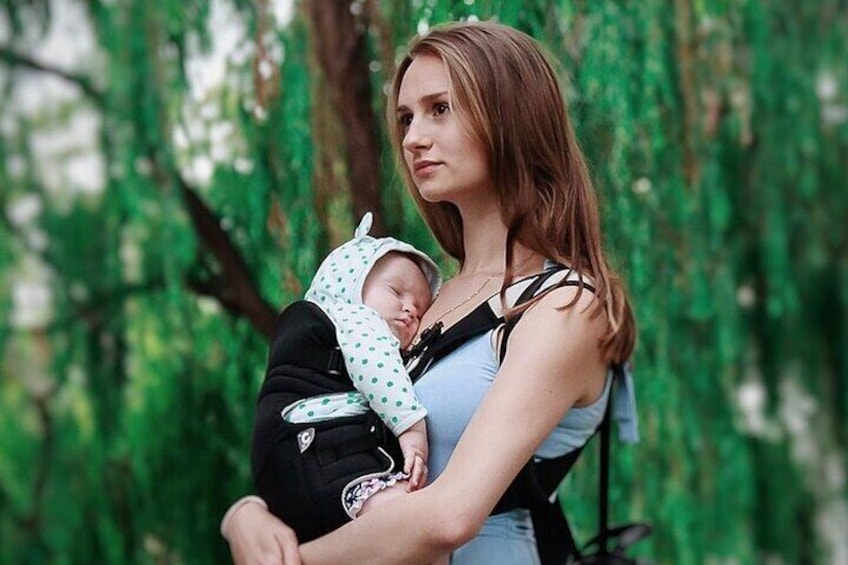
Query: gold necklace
x=467, y=300
x=479, y=290
x=435, y=329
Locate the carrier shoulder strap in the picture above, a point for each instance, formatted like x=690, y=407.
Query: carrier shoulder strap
x=603, y=482
x=555, y=277
x=627, y=534
x=436, y=343
x=538, y=480
x=536, y=485
x=554, y=538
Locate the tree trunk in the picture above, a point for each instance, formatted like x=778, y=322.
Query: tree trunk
x=341, y=48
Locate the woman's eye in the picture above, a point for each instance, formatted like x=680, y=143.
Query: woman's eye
x=440, y=108
x=404, y=120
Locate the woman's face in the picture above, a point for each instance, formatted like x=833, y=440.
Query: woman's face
x=445, y=162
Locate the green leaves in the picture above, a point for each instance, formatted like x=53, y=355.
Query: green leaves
x=716, y=133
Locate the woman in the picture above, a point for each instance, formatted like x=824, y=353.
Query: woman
x=490, y=157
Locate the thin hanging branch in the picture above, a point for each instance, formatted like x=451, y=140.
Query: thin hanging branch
x=32, y=522
x=685, y=49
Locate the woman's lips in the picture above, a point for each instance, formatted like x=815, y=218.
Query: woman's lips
x=424, y=168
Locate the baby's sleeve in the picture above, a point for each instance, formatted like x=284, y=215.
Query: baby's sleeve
x=372, y=357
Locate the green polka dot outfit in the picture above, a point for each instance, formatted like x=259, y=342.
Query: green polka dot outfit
x=371, y=352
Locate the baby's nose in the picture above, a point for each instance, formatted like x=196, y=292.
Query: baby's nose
x=410, y=309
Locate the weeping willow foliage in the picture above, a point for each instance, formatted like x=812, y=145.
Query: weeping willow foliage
x=716, y=132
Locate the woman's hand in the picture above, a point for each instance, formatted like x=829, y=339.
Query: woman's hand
x=257, y=537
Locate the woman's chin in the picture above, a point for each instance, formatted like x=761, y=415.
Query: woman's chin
x=433, y=196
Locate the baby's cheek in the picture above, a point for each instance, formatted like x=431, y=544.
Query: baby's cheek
x=404, y=340
x=400, y=335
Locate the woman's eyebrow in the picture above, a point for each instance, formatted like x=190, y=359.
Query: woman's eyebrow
x=424, y=100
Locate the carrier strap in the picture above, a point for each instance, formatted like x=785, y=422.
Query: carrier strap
x=541, y=286
x=554, y=539
x=435, y=343
x=603, y=483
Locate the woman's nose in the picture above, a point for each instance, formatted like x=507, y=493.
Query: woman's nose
x=415, y=137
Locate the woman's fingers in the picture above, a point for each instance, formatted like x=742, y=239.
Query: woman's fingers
x=289, y=546
x=257, y=537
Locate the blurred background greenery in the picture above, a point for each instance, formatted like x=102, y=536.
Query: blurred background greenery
x=172, y=171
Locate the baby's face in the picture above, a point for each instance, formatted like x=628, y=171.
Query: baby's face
x=397, y=290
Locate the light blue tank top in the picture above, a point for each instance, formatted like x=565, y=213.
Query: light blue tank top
x=451, y=389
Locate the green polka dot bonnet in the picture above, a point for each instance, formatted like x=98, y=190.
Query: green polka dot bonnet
x=342, y=274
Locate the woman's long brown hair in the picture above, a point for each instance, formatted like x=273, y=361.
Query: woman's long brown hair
x=508, y=93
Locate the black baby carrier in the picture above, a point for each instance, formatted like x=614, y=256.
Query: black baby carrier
x=301, y=469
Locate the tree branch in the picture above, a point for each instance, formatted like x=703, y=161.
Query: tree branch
x=17, y=59
x=234, y=288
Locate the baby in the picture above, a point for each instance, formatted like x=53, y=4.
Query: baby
x=335, y=382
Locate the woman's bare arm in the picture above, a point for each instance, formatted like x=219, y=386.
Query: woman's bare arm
x=552, y=362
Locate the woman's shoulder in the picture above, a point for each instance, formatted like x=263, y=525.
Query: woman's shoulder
x=529, y=287
x=565, y=307
x=560, y=336
x=560, y=311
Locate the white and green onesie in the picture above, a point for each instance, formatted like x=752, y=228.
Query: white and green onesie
x=371, y=352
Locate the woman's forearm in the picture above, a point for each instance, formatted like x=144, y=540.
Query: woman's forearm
x=414, y=528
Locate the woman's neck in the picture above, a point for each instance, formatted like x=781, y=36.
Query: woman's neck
x=484, y=242
x=481, y=273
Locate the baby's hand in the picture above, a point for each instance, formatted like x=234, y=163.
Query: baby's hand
x=413, y=445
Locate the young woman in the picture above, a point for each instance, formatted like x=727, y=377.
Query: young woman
x=489, y=154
